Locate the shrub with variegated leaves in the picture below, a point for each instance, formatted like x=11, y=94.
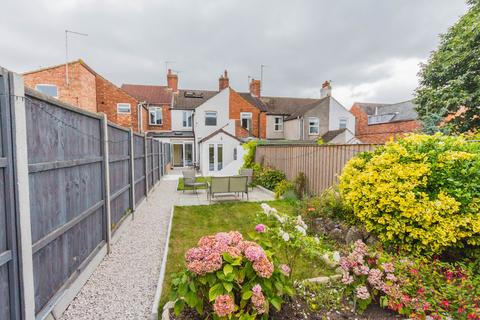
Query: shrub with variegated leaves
x=229, y=277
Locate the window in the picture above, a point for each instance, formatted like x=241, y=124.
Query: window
x=246, y=120
x=343, y=123
x=123, y=107
x=211, y=157
x=187, y=119
x=210, y=118
x=313, y=126
x=278, y=123
x=219, y=157
x=156, y=116
x=48, y=89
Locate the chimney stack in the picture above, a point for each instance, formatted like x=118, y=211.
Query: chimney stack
x=326, y=90
x=223, y=81
x=255, y=88
x=172, y=81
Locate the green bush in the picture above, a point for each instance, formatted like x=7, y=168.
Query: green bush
x=282, y=187
x=269, y=178
x=421, y=194
x=249, y=156
x=300, y=185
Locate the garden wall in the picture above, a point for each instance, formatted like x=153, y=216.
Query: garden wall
x=320, y=163
x=69, y=179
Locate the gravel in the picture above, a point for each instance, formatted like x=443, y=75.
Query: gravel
x=123, y=286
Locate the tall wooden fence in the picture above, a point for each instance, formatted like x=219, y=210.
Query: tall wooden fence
x=321, y=164
x=83, y=178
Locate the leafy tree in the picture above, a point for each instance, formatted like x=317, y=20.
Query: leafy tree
x=450, y=80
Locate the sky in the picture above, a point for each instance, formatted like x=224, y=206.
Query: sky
x=370, y=50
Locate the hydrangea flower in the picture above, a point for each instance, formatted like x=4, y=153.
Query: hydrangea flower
x=258, y=299
x=254, y=253
x=362, y=293
x=260, y=228
x=285, y=269
x=223, y=305
x=263, y=267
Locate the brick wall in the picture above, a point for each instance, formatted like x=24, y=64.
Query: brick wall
x=380, y=133
x=166, y=123
x=108, y=95
x=81, y=89
x=238, y=105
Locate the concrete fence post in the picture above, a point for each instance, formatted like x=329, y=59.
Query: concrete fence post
x=20, y=158
x=146, y=165
x=132, y=171
x=106, y=177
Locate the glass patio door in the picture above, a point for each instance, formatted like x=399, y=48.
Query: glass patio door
x=215, y=157
x=178, y=155
x=188, y=152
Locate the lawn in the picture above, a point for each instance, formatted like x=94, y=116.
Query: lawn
x=190, y=223
x=181, y=187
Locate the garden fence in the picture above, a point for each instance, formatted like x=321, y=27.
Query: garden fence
x=320, y=163
x=69, y=179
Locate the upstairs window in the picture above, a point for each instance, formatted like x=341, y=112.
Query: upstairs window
x=246, y=120
x=343, y=123
x=278, y=123
x=210, y=118
x=156, y=116
x=48, y=89
x=187, y=119
x=124, y=108
x=313, y=126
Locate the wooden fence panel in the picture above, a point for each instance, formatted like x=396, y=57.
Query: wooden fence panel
x=150, y=163
x=9, y=284
x=139, y=167
x=119, y=166
x=321, y=164
x=66, y=193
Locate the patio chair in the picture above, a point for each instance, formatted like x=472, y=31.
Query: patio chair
x=239, y=184
x=217, y=185
x=190, y=180
x=249, y=174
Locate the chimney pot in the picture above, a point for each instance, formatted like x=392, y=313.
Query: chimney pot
x=326, y=90
x=172, y=81
x=255, y=88
x=223, y=81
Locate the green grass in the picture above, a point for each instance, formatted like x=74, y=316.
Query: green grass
x=190, y=223
x=199, y=179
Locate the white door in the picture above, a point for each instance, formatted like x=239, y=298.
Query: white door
x=215, y=157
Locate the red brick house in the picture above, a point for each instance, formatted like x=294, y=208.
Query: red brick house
x=88, y=90
x=379, y=122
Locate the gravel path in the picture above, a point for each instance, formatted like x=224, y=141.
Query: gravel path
x=123, y=286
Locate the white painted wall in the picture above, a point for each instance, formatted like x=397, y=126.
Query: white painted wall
x=177, y=121
x=229, y=144
x=271, y=133
x=336, y=112
x=218, y=103
x=291, y=129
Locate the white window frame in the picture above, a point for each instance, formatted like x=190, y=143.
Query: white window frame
x=278, y=127
x=216, y=118
x=155, y=109
x=187, y=117
x=119, y=105
x=340, y=123
x=47, y=85
x=248, y=116
x=310, y=126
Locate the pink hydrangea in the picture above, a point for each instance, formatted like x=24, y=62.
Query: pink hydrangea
x=391, y=277
x=236, y=237
x=360, y=247
x=388, y=267
x=207, y=241
x=254, y=253
x=234, y=252
x=347, y=278
x=361, y=270
x=223, y=305
x=375, y=278
x=258, y=299
x=260, y=228
x=285, y=269
x=344, y=264
x=224, y=238
x=362, y=293
x=263, y=267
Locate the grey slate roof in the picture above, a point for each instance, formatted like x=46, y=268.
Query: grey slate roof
x=330, y=135
x=299, y=111
x=190, y=99
x=385, y=113
x=286, y=105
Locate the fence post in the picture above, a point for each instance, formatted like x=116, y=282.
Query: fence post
x=20, y=158
x=159, y=162
x=146, y=166
x=106, y=177
x=132, y=172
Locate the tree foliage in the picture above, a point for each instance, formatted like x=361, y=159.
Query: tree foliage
x=450, y=80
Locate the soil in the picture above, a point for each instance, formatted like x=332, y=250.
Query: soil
x=297, y=309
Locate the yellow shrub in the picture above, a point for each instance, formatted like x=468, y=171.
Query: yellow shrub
x=421, y=194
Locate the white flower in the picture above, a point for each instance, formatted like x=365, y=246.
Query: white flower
x=301, y=223
x=336, y=256
x=279, y=218
x=266, y=208
x=301, y=230
x=317, y=240
x=285, y=235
